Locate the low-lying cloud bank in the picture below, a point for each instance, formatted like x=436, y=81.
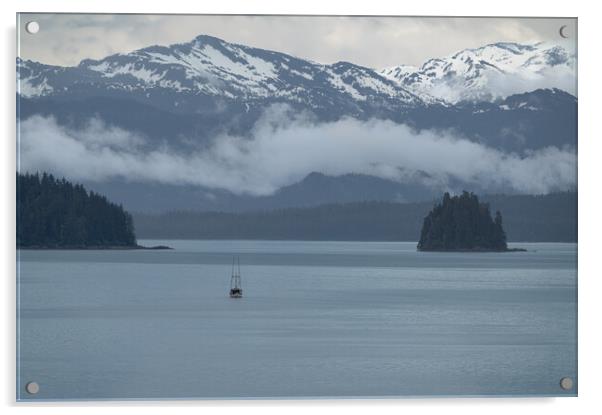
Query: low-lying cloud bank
x=496, y=85
x=281, y=151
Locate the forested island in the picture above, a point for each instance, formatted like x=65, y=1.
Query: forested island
x=54, y=213
x=462, y=223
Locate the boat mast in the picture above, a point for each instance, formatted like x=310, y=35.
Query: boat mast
x=232, y=279
x=237, y=282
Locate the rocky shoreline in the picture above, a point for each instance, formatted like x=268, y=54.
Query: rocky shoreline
x=92, y=248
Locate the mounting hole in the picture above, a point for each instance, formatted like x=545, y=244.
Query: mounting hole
x=32, y=27
x=566, y=383
x=564, y=32
x=32, y=388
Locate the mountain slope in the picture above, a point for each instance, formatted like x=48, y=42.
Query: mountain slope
x=208, y=72
x=519, y=123
x=185, y=94
x=489, y=72
x=313, y=190
x=175, y=100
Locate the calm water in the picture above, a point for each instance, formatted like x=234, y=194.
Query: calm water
x=317, y=319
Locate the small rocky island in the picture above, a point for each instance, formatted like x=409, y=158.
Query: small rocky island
x=463, y=224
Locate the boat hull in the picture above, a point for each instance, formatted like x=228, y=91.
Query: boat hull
x=235, y=293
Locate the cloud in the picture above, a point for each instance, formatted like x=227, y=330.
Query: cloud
x=560, y=76
x=495, y=85
x=281, y=150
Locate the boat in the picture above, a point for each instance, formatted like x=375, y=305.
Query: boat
x=235, y=284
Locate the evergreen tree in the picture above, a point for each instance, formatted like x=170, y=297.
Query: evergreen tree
x=499, y=234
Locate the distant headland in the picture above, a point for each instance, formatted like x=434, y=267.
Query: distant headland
x=463, y=224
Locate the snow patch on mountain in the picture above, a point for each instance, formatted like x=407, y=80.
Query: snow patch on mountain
x=208, y=73
x=490, y=72
x=29, y=88
x=31, y=79
x=208, y=66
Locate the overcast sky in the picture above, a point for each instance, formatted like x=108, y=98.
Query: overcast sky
x=375, y=42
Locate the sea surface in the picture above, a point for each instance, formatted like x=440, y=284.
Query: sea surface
x=318, y=319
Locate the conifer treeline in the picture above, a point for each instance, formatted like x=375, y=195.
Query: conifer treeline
x=527, y=218
x=54, y=213
x=462, y=223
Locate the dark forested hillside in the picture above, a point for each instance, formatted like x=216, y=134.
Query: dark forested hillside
x=546, y=218
x=54, y=213
x=462, y=223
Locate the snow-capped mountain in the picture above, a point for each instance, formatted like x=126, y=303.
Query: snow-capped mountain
x=178, y=99
x=489, y=72
x=188, y=93
x=209, y=73
x=207, y=68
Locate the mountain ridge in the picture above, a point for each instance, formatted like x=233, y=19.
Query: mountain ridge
x=213, y=67
x=313, y=190
x=206, y=63
x=478, y=74
x=177, y=99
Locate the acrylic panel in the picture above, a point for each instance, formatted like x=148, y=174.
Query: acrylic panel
x=295, y=206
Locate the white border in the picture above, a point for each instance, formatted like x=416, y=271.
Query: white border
x=590, y=203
